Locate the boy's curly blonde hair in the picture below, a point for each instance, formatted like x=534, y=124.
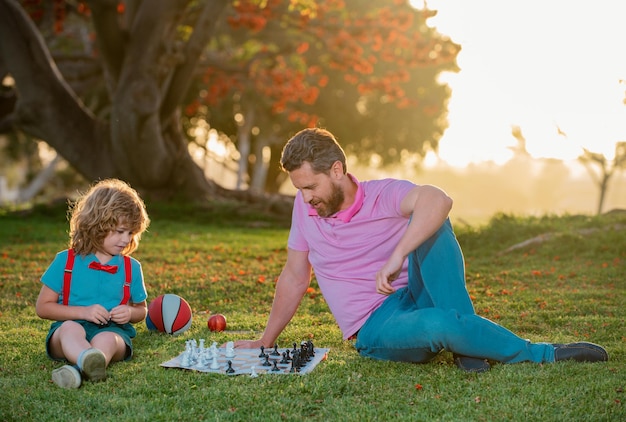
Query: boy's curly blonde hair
x=108, y=204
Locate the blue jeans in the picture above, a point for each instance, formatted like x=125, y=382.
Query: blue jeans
x=434, y=313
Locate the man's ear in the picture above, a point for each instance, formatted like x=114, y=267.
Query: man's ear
x=337, y=169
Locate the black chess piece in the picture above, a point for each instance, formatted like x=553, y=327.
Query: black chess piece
x=230, y=369
x=304, y=352
x=293, y=368
x=266, y=362
x=296, y=361
x=285, y=360
x=275, y=368
x=263, y=354
x=276, y=352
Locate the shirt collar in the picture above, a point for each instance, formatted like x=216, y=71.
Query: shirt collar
x=347, y=214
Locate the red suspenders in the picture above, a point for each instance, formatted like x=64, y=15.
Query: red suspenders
x=126, y=297
x=67, y=278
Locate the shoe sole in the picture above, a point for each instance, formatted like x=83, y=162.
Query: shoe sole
x=94, y=365
x=66, y=377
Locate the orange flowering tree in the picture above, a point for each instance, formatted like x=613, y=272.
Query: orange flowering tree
x=366, y=70
x=115, y=96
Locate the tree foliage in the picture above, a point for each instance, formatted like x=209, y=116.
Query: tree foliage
x=114, y=99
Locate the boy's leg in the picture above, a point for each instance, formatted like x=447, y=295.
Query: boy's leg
x=111, y=344
x=68, y=341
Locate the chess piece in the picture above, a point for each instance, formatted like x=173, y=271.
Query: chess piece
x=253, y=373
x=184, y=361
x=267, y=362
x=304, y=352
x=276, y=352
x=215, y=364
x=284, y=360
x=275, y=368
x=294, y=367
x=214, y=350
x=230, y=369
x=230, y=350
x=263, y=354
x=296, y=361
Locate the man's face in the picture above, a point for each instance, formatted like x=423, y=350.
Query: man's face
x=320, y=190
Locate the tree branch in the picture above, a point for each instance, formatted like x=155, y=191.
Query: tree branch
x=203, y=30
x=111, y=38
x=46, y=106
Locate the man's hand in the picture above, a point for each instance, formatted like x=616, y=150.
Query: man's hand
x=387, y=274
x=248, y=344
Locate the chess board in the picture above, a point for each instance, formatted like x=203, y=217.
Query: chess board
x=245, y=361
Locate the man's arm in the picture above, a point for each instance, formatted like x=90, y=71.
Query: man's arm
x=290, y=288
x=429, y=207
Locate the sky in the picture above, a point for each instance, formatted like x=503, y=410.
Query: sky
x=542, y=65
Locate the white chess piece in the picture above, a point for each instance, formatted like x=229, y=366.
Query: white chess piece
x=214, y=363
x=253, y=373
x=214, y=350
x=184, y=361
x=230, y=349
x=185, y=358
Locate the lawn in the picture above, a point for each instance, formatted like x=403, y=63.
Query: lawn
x=570, y=286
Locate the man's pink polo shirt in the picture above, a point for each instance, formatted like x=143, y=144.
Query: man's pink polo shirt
x=347, y=249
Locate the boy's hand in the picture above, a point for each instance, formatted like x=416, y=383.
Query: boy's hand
x=121, y=314
x=96, y=314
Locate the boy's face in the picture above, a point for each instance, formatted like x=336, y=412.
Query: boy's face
x=117, y=239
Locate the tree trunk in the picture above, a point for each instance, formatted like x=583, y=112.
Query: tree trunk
x=259, y=171
x=142, y=143
x=38, y=183
x=244, y=130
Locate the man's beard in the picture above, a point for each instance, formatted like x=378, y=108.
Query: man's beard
x=333, y=204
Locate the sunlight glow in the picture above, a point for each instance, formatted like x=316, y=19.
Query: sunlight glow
x=543, y=66
x=216, y=146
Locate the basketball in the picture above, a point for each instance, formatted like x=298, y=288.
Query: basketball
x=149, y=323
x=169, y=313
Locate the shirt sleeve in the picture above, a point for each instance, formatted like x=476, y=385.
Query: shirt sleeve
x=297, y=239
x=53, y=276
x=393, y=194
x=138, y=291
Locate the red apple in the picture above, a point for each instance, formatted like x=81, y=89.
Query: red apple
x=217, y=322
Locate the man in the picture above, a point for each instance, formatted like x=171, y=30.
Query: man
x=389, y=267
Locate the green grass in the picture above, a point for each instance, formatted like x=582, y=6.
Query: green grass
x=569, y=288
